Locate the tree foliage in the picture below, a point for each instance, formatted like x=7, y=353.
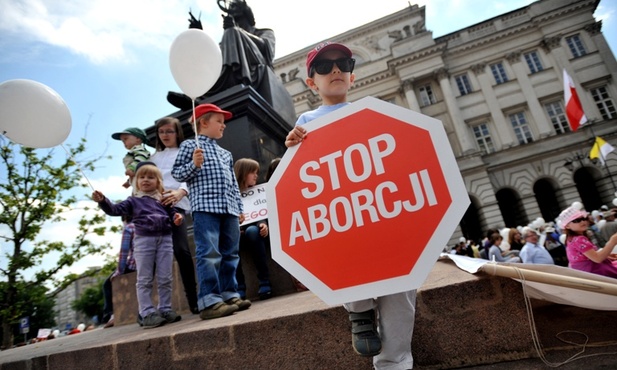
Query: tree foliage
x=37, y=190
x=36, y=306
x=92, y=300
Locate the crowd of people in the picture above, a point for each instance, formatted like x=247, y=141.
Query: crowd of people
x=576, y=239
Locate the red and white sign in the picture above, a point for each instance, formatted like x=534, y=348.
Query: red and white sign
x=255, y=205
x=365, y=205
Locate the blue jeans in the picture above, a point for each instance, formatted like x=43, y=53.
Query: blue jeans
x=216, y=254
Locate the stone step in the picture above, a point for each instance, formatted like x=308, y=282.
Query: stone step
x=125, y=300
x=462, y=320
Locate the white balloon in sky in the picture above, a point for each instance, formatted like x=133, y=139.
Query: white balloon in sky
x=32, y=114
x=195, y=61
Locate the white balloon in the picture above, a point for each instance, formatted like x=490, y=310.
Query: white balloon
x=600, y=224
x=615, y=202
x=33, y=114
x=577, y=205
x=562, y=238
x=195, y=60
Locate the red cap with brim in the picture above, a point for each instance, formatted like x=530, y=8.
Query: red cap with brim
x=202, y=109
x=322, y=48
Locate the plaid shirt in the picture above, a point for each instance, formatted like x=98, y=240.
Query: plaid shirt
x=126, y=261
x=213, y=187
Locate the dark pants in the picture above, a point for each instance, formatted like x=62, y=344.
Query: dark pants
x=108, y=305
x=185, y=261
x=251, y=241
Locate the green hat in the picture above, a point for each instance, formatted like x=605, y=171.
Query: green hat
x=135, y=131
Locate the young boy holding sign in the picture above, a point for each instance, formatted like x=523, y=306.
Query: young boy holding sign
x=381, y=327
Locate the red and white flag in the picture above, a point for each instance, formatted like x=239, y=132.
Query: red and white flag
x=574, y=109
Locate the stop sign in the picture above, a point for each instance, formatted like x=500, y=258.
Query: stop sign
x=365, y=205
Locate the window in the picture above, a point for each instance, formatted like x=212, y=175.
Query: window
x=499, y=73
x=464, y=87
x=558, y=117
x=533, y=62
x=521, y=128
x=576, y=46
x=426, y=96
x=483, y=138
x=604, y=102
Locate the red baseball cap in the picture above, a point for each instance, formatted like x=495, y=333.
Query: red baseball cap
x=321, y=48
x=202, y=109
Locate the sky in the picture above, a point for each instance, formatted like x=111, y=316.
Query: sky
x=109, y=61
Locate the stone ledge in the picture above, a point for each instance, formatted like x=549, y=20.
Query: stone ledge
x=125, y=300
x=462, y=320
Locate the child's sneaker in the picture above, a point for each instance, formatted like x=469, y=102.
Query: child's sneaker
x=364, y=337
x=265, y=291
x=242, y=304
x=171, y=316
x=109, y=323
x=153, y=320
x=217, y=310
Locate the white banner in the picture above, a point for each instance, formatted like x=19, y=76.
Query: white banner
x=255, y=206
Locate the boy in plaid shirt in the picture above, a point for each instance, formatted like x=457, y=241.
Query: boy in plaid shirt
x=208, y=171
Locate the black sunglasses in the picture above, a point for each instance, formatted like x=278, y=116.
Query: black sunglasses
x=324, y=66
x=580, y=219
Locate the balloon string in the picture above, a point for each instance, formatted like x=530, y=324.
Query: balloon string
x=78, y=166
x=195, y=126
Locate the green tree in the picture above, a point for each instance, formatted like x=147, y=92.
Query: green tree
x=91, y=301
x=34, y=193
x=37, y=307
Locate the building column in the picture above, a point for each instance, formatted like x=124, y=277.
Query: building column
x=410, y=95
x=505, y=136
x=463, y=132
x=544, y=128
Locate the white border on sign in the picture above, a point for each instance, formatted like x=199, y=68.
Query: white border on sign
x=436, y=243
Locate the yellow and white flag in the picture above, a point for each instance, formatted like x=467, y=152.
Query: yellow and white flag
x=600, y=150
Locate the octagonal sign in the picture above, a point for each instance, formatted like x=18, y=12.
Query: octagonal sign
x=365, y=205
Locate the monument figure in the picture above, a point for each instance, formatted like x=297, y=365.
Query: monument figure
x=247, y=53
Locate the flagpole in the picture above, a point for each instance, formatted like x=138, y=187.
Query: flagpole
x=603, y=159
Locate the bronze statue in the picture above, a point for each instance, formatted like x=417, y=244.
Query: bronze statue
x=247, y=51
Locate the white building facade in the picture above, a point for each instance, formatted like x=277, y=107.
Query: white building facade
x=497, y=87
